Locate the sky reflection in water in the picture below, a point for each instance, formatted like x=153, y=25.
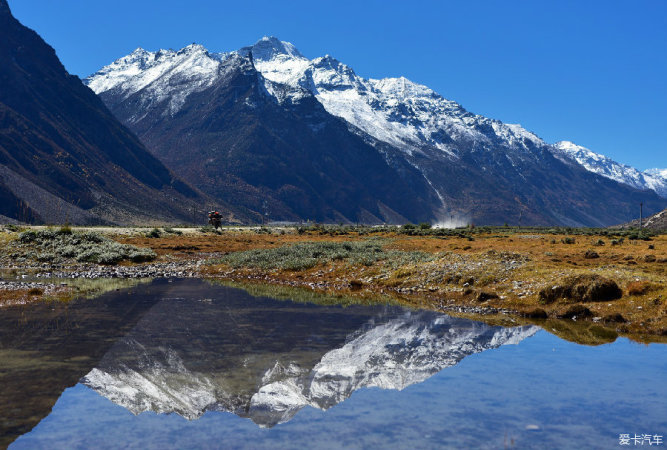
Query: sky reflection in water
x=577, y=396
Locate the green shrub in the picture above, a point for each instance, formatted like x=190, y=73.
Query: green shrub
x=52, y=246
x=154, y=233
x=305, y=255
x=170, y=230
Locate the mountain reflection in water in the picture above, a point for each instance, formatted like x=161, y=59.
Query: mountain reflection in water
x=207, y=348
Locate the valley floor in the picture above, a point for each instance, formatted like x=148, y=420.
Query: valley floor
x=585, y=285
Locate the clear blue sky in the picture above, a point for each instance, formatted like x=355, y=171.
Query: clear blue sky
x=593, y=72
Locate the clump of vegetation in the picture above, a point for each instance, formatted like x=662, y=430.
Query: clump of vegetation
x=170, y=230
x=638, y=287
x=35, y=291
x=209, y=229
x=568, y=240
x=598, y=243
x=590, y=254
x=581, y=288
x=305, y=255
x=13, y=228
x=60, y=246
x=154, y=233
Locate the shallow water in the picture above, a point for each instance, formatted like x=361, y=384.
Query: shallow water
x=186, y=364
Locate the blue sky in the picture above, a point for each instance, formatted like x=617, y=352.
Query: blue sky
x=593, y=72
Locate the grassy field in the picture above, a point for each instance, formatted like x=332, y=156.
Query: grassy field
x=610, y=281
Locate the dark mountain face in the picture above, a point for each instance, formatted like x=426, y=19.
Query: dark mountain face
x=492, y=183
x=63, y=156
x=289, y=160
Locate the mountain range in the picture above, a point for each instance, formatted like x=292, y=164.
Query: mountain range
x=318, y=141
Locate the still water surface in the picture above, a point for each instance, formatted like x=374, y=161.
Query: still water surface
x=187, y=364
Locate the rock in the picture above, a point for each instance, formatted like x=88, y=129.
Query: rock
x=537, y=313
x=614, y=318
x=485, y=296
x=581, y=288
x=355, y=285
x=575, y=312
x=649, y=258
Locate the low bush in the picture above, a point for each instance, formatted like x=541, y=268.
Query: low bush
x=305, y=255
x=638, y=287
x=154, y=233
x=581, y=288
x=58, y=246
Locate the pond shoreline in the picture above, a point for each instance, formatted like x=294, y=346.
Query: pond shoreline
x=501, y=273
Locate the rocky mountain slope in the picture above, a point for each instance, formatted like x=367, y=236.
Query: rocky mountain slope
x=653, y=179
x=63, y=156
x=273, y=359
x=452, y=163
x=657, y=221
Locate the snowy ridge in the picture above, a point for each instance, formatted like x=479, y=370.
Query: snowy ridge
x=654, y=179
x=165, y=75
x=397, y=111
x=390, y=355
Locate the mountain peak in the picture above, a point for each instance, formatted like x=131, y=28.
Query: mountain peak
x=4, y=6
x=270, y=47
x=192, y=48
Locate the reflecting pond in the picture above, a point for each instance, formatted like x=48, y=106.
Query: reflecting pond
x=188, y=364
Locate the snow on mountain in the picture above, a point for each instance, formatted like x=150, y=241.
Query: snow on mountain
x=654, y=179
x=397, y=111
x=392, y=354
x=166, y=74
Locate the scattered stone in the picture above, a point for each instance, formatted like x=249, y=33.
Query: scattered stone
x=649, y=258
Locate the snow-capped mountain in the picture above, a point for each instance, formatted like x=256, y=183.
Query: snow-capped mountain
x=141, y=373
x=471, y=166
x=653, y=179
